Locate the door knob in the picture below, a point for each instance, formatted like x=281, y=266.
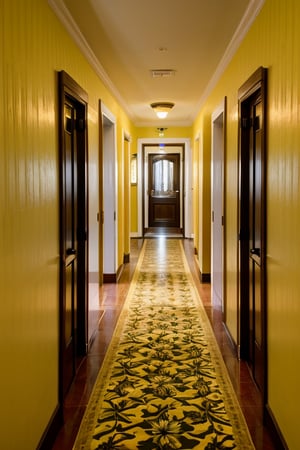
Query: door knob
x=255, y=251
x=71, y=251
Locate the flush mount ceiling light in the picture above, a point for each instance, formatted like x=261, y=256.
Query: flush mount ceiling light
x=162, y=109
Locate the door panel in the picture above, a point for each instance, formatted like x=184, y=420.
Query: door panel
x=255, y=226
x=164, y=190
x=69, y=341
x=70, y=246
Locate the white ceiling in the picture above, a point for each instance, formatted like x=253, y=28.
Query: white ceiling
x=126, y=39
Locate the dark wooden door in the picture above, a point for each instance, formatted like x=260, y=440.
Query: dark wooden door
x=70, y=249
x=256, y=307
x=164, y=190
x=252, y=213
x=73, y=230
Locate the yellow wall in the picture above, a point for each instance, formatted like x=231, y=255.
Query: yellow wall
x=273, y=42
x=171, y=132
x=34, y=45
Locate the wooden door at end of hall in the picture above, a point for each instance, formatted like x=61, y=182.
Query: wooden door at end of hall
x=164, y=190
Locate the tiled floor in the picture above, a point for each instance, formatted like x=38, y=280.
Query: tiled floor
x=107, y=304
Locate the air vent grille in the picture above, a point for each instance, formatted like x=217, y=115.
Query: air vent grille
x=162, y=73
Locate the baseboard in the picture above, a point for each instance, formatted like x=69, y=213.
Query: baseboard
x=113, y=277
x=275, y=432
x=135, y=234
x=231, y=341
x=52, y=430
x=204, y=277
x=109, y=278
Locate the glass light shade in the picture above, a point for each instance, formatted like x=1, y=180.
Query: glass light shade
x=162, y=109
x=161, y=114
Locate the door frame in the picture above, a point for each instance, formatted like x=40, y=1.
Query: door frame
x=109, y=189
x=162, y=149
x=256, y=83
x=126, y=154
x=218, y=152
x=68, y=88
x=100, y=216
x=187, y=186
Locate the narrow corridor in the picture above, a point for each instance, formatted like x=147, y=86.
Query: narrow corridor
x=111, y=298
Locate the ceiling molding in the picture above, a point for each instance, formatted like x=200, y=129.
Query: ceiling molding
x=72, y=28
x=241, y=31
x=70, y=25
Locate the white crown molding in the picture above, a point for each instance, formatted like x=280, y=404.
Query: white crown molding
x=72, y=28
x=70, y=25
x=251, y=13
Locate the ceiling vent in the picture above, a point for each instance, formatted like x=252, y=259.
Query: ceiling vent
x=162, y=73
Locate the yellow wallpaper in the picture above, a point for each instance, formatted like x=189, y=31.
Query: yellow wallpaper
x=273, y=42
x=170, y=132
x=34, y=46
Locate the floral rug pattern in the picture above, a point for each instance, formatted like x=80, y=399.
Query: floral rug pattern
x=163, y=384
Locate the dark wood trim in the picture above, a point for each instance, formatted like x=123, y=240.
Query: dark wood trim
x=68, y=88
x=205, y=277
x=69, y=85
x=113, y=277
x=155, y=144
x=126, y=258
x=109, y=278
x=257, y=82
x=51, y=432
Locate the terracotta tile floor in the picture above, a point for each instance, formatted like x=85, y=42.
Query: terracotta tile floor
x=106, y=303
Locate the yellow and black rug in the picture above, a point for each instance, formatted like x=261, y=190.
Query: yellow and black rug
x=163, y=384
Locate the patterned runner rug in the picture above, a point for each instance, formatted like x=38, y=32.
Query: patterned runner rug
x=163, y=384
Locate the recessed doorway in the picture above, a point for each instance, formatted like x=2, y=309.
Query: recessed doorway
x=163, y=189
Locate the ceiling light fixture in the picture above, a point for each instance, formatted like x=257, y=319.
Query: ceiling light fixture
x=162, y=109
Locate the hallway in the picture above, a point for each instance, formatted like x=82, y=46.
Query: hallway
x=111, y=299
